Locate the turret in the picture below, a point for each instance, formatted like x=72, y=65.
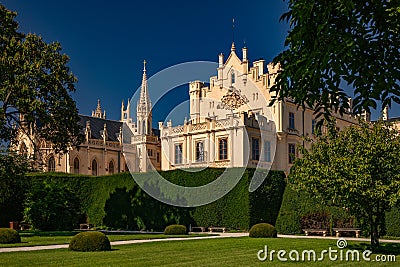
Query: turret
x=144, y=116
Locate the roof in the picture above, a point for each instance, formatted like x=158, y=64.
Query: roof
x=97, y=127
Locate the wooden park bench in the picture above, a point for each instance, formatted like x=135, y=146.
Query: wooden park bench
x=357, y=231
x=316, y=231
x=85, y=226
x=212, y=229
x=199, y=229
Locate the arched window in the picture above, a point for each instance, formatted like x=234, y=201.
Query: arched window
x=111, y=167
x=51, y=164
x=94, y=167
x=76, y=165
x=232, y=77
x=23, y=150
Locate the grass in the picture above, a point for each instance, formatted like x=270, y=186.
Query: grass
x=57, y=238
x=211, y=252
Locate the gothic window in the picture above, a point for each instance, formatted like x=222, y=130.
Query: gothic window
x=313, y=123
x=94, y=167
x=178, y=154
x=158, y=157
x=223, y=148
x=291, y=120
x=51, y=164
x=232, y=77
x=267, y=151
x=255, y=149
x=23, y=150
x=292, y=153
x=200, y=151
x=76, y=165
x=111, y=167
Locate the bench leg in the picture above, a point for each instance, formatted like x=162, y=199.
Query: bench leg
x=357, y=234
x=324, y=234
x=306, y=233
x=337, y=234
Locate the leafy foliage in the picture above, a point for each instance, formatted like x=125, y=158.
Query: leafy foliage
x=90, y=241
x=262, y=230
x=175, y=229
x=332, y=43
x=12, y=187
x=9, y=236
x=35, y=87
x=118, y=202
x=51, y=206
x=357, y=169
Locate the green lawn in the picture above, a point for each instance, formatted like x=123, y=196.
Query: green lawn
x=211, y=252
x=57, y=238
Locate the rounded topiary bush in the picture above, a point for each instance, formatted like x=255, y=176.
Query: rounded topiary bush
x=9, y=236
x=175, y=229
x=263, y=230
x=90, y=241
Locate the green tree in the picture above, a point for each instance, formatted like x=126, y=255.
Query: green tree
x=35, y=87
x=357, y=169
x=13, y=186
x=52, y=206
x=331, y=43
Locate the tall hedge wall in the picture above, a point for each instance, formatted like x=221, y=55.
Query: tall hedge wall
x=117, y=201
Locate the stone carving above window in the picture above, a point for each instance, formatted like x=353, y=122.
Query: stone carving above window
x=232, y=100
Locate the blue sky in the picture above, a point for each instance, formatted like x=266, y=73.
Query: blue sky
x=108, y=41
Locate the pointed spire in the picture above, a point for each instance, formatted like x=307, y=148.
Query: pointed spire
x=144, y=94
x=233, y=48
x=98, y=112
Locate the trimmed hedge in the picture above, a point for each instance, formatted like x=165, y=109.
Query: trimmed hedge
x=392, y=222
x=90, y=241
x=300, y=210
x=175, y=229
x=9, y=236
x=117, y=202
x=263, y=230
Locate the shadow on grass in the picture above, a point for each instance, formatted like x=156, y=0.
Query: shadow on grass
x=48, y=233
x=385, y=248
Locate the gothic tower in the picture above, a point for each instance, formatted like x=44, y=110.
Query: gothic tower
x=144, y=116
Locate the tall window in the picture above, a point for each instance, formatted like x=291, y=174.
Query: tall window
x=292, y=153
x=111, y=167
x=158, y=157
x=223, y=148
x=51, y=164
x=255, y=149
x=313, y=126
x=232, y=77
x=267, y=151
x=94, y=167
x=178, y=154
x=76, y=165
x=200, y=151
x=291, y=120
x=23, y=150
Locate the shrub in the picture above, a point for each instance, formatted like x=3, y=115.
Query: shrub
x=90, y=241
x=51, y=206
x=263, y=230
x=8, y=236
x=175, y=229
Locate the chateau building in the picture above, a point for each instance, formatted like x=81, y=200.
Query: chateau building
x=230, y=125
x=99, y=154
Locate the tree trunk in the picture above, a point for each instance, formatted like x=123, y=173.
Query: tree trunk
x=374, y=236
